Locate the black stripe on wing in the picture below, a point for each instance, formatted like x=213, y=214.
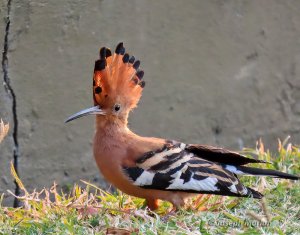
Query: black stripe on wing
x=133, y=172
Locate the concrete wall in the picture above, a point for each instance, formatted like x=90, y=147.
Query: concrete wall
x=218, y=72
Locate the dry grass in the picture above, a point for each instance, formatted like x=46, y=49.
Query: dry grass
x=3, y=130
x=90, y=210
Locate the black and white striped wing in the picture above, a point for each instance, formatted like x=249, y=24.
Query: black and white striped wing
x=175, y=168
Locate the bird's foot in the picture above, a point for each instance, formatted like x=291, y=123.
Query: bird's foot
x=152, y=204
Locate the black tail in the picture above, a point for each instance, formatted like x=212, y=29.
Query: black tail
x=253, y=193
x=266, y=172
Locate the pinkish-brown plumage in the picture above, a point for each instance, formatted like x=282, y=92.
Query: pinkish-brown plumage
x=154, y=168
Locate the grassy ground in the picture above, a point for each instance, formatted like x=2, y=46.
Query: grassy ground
x=90, y=210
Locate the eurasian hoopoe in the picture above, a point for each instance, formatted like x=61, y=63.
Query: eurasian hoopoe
x=153, y=168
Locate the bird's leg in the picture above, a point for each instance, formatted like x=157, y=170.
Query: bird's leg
x=152, y=203
x=178, y=201
x=176, y=207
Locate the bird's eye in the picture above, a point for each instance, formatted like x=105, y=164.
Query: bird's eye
x=117, y=107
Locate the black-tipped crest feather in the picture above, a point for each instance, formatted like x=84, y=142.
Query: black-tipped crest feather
x=100, y=65
x=140, y=74
x=126, y=58
x=118, y=48
x=108, y=52
x=103, y=53
x=136, y=64
x=132, y=59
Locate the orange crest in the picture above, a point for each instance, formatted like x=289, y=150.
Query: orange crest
x=117, y=75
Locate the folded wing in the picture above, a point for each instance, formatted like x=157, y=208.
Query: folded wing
x=176, y=168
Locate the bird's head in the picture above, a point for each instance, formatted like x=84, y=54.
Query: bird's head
x=117, y=85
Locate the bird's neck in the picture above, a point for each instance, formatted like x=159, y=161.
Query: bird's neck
x=112, y=138
x=111, y=128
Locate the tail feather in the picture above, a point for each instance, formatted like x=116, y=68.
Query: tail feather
x=253, y=193
x=243, y=170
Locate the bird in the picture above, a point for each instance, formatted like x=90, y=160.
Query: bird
x=155, y=168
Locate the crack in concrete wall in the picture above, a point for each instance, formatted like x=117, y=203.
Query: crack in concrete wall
x=10, y=91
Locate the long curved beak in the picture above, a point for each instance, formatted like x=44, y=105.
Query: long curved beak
x=85, y=112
